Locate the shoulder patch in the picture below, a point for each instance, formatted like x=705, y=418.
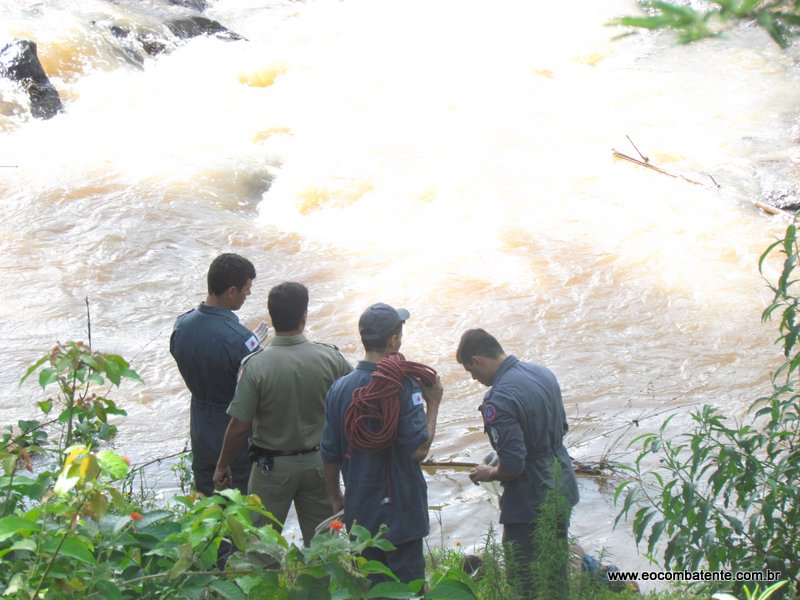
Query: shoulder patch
x=489, y=412
x=251, y=355
x=251, y=343
x=417, y=398
x=334, y=346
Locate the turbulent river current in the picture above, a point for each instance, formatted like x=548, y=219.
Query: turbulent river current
x=451, y=157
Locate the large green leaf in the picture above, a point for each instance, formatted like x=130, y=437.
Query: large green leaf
x=47, y=376
x=33, y=367
x=228, y=589
x=449, y=589
x=13, y=524
x=74, y=546
x=391, y=589
x=112, y=464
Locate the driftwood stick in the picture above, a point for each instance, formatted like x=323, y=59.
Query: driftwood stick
x=647, y=164
x=774, y=210
x=584, y=469
x=767, y=208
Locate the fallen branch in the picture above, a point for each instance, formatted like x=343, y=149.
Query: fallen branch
x=652, y=167
x=774, y=210
x=581, y=468
x=645, y=162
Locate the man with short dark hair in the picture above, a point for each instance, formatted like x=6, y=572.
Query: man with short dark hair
x=524, y=416
x=281, y=391
x=384, y=484
x=208, y=343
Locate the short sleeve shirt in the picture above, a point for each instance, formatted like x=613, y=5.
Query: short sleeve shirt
x=385, y=487
x=208, y=344
x=282, y=388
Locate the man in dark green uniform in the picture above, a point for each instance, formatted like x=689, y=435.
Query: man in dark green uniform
x=208, y=343
x=281, y=392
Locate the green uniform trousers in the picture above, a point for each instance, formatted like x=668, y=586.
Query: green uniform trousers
x=297, y=479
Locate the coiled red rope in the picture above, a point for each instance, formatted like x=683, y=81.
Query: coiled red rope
x=371, y=420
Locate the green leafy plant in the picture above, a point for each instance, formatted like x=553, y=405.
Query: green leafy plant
x=780, y=18
x=76, y=528
x=724, y=495
x=551, y=561
x=76, y=371
x=754, y=594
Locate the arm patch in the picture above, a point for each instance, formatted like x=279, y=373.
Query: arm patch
x=251, y=343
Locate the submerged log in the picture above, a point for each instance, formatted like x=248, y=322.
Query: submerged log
x=19, y=62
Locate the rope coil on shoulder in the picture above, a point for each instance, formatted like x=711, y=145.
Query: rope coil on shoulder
x=371, y=420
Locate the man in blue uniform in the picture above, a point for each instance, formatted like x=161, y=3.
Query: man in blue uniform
x=524, y=416
x=208, y=343
x=384, y=487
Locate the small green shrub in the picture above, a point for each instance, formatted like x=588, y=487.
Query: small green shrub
x=75, y=527
x=724, y=496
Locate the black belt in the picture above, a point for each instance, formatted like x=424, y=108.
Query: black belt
x=259, y=450
x=292, y=452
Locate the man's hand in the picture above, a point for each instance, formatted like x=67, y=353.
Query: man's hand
x=433, y=393
x=223, y=478
x=261, y=332
x=330, y=472
x=482, y=473
x=433, y=397
x=337, y=504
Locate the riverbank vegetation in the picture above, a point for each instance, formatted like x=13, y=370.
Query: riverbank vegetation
x=722, y=497
x=692, y=21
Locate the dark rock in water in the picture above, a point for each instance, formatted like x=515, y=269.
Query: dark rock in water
x=193, y=26
x=20, y=62
x=145, y=31
x=152, y=47
x=146, y=41
x=788, y=200
x=198, y=5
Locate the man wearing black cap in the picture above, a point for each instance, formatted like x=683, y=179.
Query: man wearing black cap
x=384, y=487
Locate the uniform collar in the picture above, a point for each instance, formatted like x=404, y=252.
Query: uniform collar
x=288, y=340
x=504, y=366
x=367, y=365
x=217, y=310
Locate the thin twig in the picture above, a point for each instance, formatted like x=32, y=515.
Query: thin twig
x=644, y=158
x=7, y=502
x=27, y=431
x=158, y=460
x=88, y=323
x=653, y=167
x=35, y=593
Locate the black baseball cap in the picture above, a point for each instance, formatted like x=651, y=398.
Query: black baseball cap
x=379, y=320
